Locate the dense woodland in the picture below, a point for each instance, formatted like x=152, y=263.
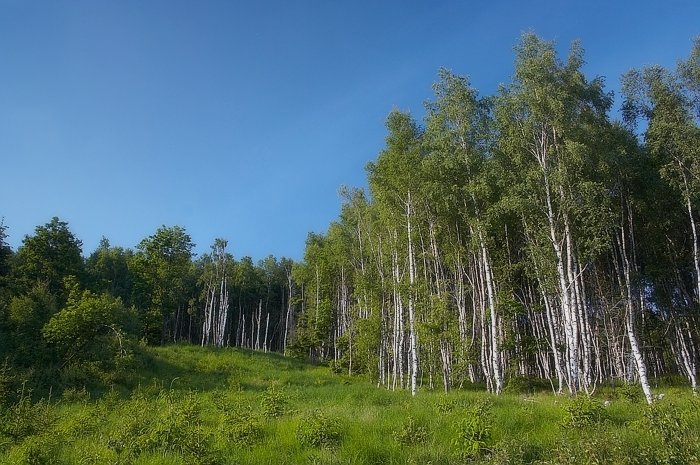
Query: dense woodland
x=527, y=236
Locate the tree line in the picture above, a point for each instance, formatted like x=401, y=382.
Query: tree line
x=524, y=236
x=67, y=319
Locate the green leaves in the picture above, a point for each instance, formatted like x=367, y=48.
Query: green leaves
x=85, y=324
x=49, y=256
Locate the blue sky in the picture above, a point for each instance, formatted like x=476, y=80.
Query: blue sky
x=242, y=119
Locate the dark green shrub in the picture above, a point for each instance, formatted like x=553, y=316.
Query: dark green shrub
x=179, y=429
x=591, y=448
x=630, y=392
x=514, y=452
x=518, y=385
x=170, y=424
x=318, y=430
x=7, y=379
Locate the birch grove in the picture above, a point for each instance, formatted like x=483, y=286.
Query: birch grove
x=513, y=238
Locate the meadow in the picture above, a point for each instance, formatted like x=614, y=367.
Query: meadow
x=184, y=404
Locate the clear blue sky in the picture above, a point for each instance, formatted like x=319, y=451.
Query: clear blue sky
x=241, y=119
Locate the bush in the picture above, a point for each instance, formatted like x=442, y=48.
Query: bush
x=7, y=379
x=411, y=433
x=274, y=402
x=36, y=450
x=179, y=429
x=630, y=392
x=25, y=418
x=445, y=405
x=593, y=448
x=583, y=411
x=242, y=428
x=474, y=431
x=514, y=452
x=519, y=385
x=672, y=427
x=170, y=425
x=318, y=430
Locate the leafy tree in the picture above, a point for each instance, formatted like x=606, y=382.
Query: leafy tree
x=90, y=327
x=52, y=254
x=107, y=270
x=6, y=256
x=27, y=314
x=164, y=266
x=669, y=102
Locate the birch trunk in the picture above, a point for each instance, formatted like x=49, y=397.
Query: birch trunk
x=413, y=348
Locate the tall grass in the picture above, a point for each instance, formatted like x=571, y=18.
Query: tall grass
x=191, y=405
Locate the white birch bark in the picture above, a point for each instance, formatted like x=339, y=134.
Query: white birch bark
x=413, y=347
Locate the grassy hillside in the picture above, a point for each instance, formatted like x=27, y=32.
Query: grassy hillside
x=188, y=405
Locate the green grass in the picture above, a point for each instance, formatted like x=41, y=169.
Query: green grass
x=188, y=405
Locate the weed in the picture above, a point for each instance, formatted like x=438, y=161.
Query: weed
x=591, y=448
x=35, y=450
x=7, y=378
x=445, y=405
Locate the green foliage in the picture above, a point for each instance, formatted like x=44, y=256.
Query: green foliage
x=108, y=271
x=49, y=256
x=595, y=449
x=445, y=405
x=93, y=337
x=274, y=402
x=36, y=450
x=411, y=432
x=75, y=395
x=519, y=385
x=25, y=418
x=514, y=452
x=171, y=424
x=27, y=314
x=671, y=426
x=331, y=419
x=583, y=411
x=7, y=379
x=164, y=267
x=630, y=393
x=318, y=430
x=243, y=428
x=474, y=431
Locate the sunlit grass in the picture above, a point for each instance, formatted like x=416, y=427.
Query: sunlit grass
x=187, y=405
